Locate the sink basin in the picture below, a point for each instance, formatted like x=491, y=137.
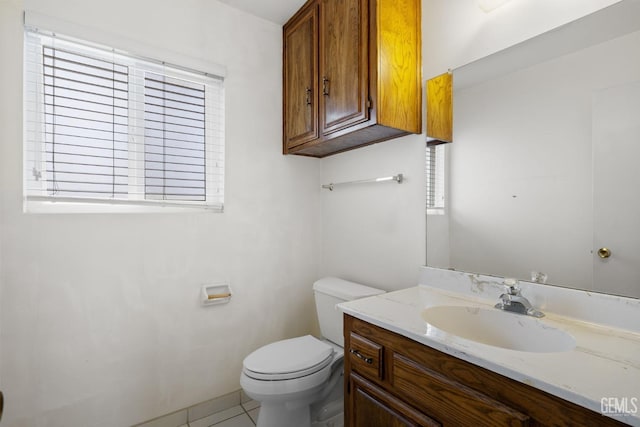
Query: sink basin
x=498, y=328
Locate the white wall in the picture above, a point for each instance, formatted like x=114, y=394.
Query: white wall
x=367, y=234
x=458, y=32
x=100, y=322
x=374, y=233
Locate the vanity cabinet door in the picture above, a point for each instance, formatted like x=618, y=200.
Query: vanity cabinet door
x=374, y=407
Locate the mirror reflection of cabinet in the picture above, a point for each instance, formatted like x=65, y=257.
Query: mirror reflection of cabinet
x=439, y=98
x=352, y=74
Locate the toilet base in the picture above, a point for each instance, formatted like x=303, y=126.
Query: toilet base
x=307, y=411
x=335, y=421
x=279, y=415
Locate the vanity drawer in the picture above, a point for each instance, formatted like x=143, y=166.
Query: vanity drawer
x=449, y=401
x=365, y=356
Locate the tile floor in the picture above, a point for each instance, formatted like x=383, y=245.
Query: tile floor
x=243, y=415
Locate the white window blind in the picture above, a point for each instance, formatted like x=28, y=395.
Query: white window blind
x=435, y=173
x=174, y=122
x=106, y=127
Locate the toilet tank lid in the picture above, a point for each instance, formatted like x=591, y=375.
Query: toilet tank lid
x=344, y=289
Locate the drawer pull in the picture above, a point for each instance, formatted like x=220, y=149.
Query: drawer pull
x=359, y=355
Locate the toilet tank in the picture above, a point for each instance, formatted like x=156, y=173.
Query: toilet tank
x=330, y=291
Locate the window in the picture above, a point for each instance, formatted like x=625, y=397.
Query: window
x=105, y=127
x=174, y=123
x=435, y=164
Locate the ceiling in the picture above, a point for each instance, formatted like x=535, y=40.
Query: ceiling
x=277, y=11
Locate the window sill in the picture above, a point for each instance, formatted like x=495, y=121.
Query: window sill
x=102, y=207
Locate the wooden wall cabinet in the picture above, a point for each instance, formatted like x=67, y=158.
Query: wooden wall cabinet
x=351, y=74
x=393, y=381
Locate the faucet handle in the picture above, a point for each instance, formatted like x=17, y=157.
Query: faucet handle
x=512, y=286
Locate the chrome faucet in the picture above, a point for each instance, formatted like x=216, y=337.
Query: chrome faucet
x=513, y=300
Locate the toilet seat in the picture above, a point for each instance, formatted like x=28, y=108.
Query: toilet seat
x=288, y=359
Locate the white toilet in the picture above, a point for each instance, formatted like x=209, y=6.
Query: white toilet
x=299, y=381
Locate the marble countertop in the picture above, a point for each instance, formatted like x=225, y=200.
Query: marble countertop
x=605, y=364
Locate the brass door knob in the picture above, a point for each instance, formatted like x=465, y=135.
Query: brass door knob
x=604, y=253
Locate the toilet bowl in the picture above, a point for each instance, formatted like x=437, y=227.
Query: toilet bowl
x=299, y=381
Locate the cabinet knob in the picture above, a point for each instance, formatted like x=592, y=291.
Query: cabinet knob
x=356, y=353
x=604, y=253
x=325, y=86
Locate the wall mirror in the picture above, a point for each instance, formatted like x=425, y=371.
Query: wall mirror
x=543, y=173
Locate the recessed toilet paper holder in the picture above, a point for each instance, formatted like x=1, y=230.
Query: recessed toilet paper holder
x=215, y=293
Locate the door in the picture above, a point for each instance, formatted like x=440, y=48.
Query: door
x=616, y=152
x=344, y=64
x=301, y=79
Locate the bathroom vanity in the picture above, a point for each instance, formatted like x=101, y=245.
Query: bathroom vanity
x=408, y=383
x=402, y=371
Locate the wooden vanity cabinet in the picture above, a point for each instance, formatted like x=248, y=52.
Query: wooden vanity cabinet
x=351, y=74
x=391, y=380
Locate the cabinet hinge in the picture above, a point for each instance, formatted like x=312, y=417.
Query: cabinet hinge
x=369, y=103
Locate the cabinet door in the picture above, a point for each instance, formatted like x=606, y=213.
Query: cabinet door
x=301, y=79
x=344, y=66
x=371, y=406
